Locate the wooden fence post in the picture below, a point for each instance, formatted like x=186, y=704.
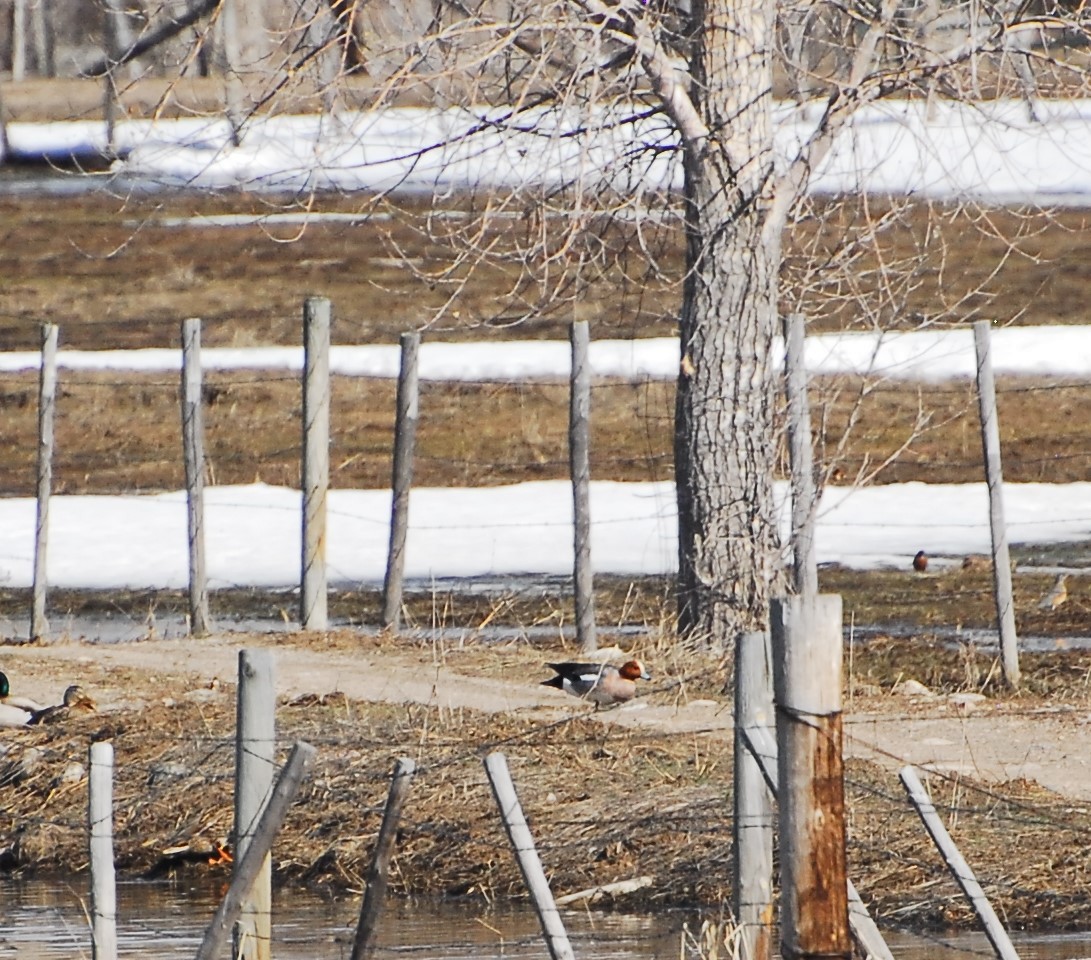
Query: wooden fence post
x=579, y=447
x=753, y=826
x=522, y=842
x=801, y=455
x=101, y=814
x=231, y=47
x=117, y=40
x=255, y=743
x=251, y=864
x=316, y=460
x=375, y=889
x=994, y=478
x=405, y=441
x=957, y=865
x=807, y=654
x=47, y=399
x=193, y=455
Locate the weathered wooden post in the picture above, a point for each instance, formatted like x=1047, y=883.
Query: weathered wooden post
x=579, y=448
x=255, y=743
x=522, y=842
x=753, y=827
x=801, y=456
x=251, y=864
x=193, y=456
x=405, y=441
x=807, y=654
x=117, y=41
x=231, y=63
x=47, y=400
x=957, y=865
x=19, y=34
x=994, y=478
x=377, y=876
x=316, y=460
x=101, y=815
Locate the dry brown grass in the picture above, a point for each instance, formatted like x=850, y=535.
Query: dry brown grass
x=605, y=804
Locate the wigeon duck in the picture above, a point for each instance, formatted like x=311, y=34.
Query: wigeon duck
x=600, y=683
x=920, y=561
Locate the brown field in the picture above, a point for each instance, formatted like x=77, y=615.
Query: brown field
x=609, y=802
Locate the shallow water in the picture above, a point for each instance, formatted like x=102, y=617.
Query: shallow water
x=44, y=919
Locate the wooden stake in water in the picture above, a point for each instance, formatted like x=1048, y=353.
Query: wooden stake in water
x=252, y=863
x=255, y=743
x=101, y=815
x=522, y=842
x=957, y=864
x=47, y=400
x=378, y=874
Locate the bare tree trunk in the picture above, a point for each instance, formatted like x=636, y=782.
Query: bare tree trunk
x=724, y=448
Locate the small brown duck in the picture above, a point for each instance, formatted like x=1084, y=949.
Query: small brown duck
x=920, y=561
x=1057, y=595
x=75, y=701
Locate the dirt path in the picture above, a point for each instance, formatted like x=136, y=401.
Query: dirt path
x=992, y=743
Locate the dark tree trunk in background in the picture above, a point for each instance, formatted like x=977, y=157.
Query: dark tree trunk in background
x=724, y=440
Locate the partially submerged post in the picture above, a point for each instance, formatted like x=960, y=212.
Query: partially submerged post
x=579, y=445
x=316, y=460
x=47, y=400
x=753, y=823
x=957, y=865
x=249, y=867
x=807, y=648
x=101, y=815
x=193, y=455
x=255, y=742
x=522, y=842
x=994, y=478
x=405, y=442
x=379, y=871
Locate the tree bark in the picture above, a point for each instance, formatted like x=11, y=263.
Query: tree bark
x=724, y=440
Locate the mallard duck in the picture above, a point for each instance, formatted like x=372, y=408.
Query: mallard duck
x=75, y=701
x=15, y=711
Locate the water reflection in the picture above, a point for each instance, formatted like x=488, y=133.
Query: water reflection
x=46, y=920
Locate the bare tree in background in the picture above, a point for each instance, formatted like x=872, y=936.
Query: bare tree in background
x=683, y=92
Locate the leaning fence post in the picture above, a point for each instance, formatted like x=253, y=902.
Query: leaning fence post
x=405, y=441
x=804, y=565
x=47, y=399
x=101, y=815
x=255, y=741
x=958, y=866
x=806, y=645
x=316, y=460
x=193, y=455
x=753, y=822
x=579, y=446
x=252, y=862
x=990, y=444
x=375, y=889
x=511, y=811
